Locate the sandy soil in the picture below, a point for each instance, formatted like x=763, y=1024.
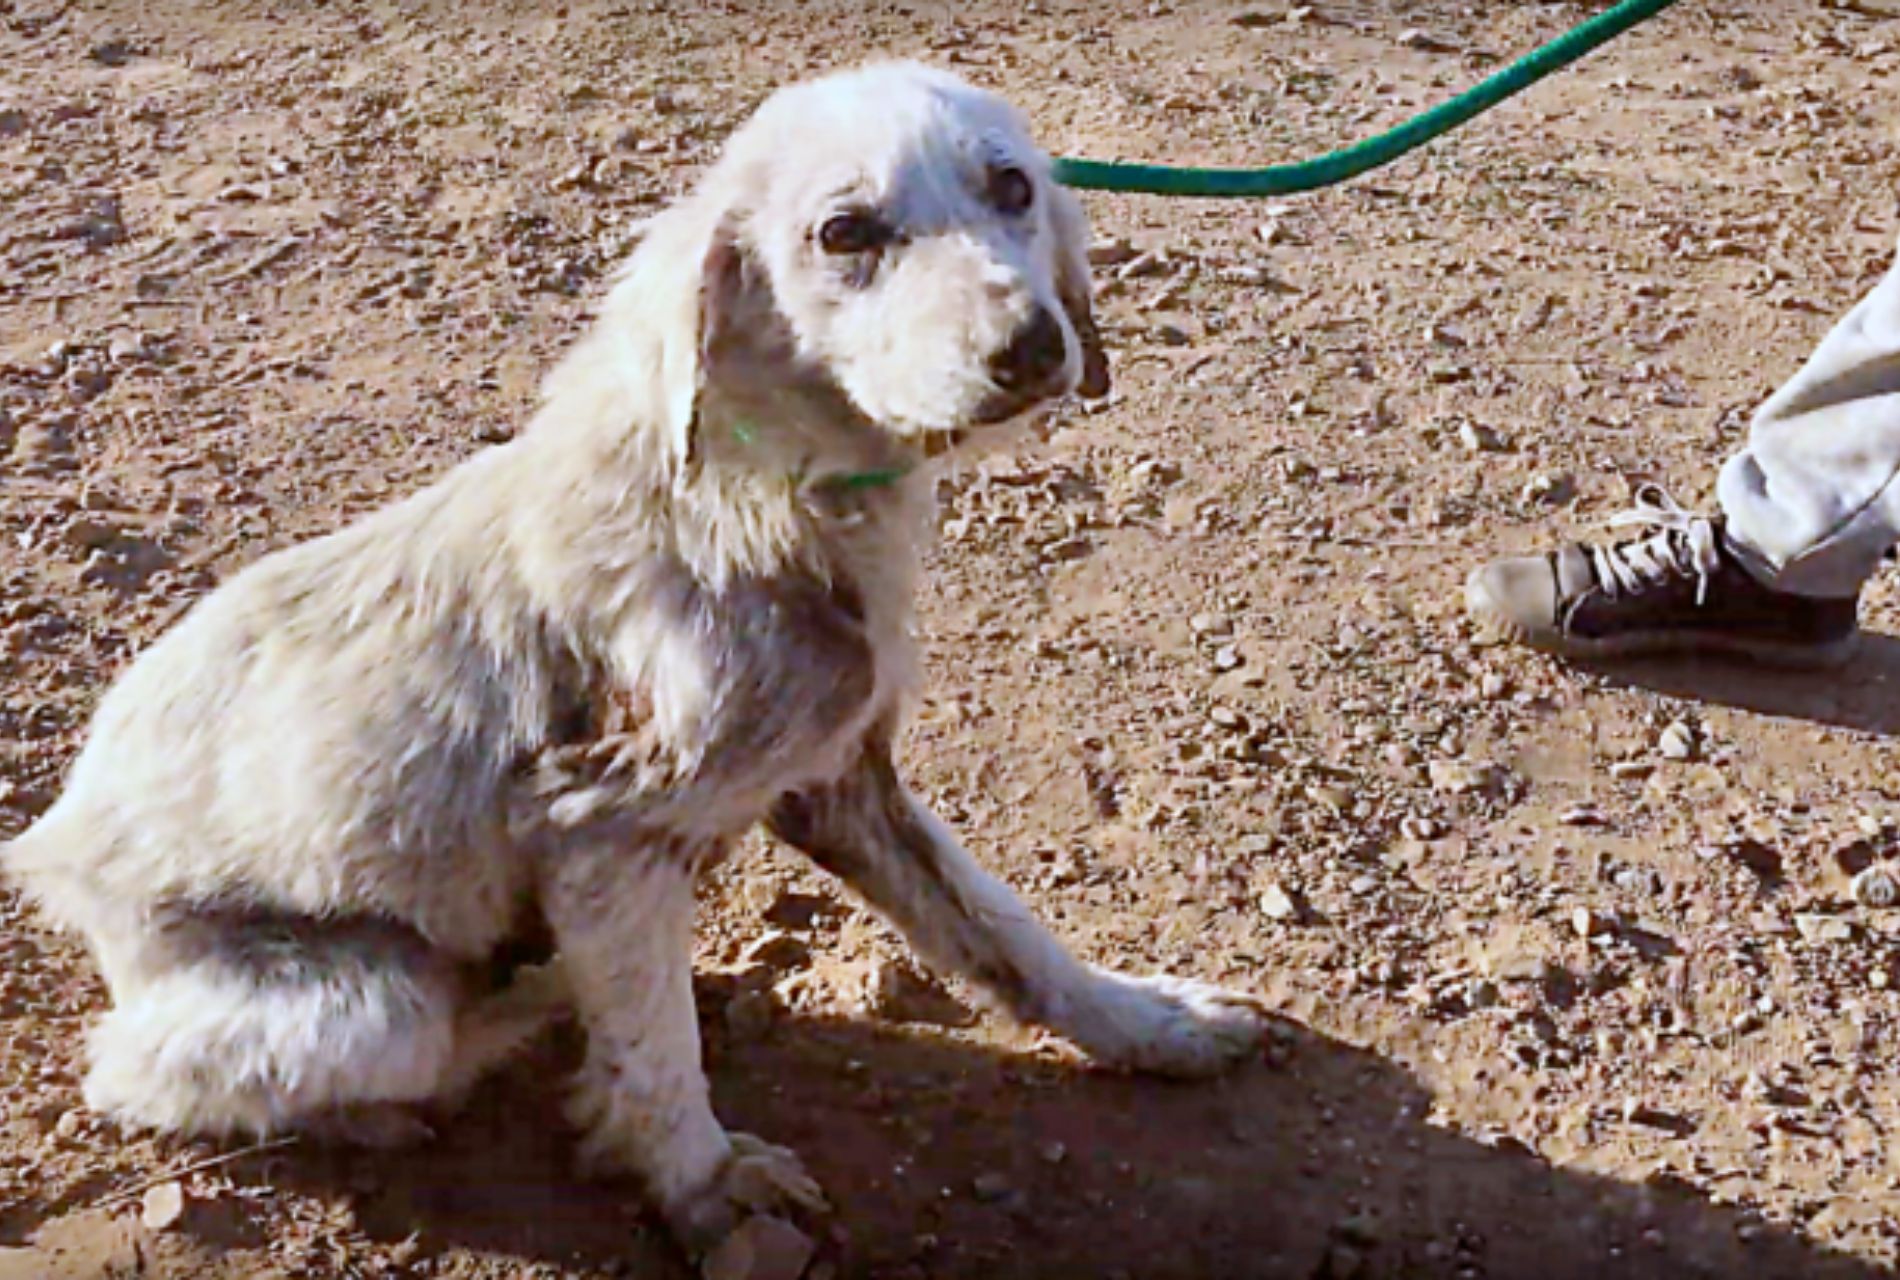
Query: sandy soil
x=263, y=267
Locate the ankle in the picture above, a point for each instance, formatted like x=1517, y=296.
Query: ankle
x=1806, y=578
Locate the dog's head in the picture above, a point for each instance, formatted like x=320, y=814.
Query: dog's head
x=888, y=237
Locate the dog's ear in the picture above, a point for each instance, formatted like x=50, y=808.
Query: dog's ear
x=727, y=285
x=721, y=276
x=732, y=291
x=683, y=288
x=1073, y=287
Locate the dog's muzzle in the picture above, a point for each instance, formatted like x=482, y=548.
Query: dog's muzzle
x=1031, y=369
x=1035, y=359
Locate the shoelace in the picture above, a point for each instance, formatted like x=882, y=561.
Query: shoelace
x=1684, y=544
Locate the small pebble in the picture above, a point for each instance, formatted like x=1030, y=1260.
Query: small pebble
x=799, y=911
x=989, y=1187
x=1639, y=1112
x=162, y=1207
x=1414, y=38
x=1764, y=862
x=760, y=1248
x=112, y=53
x=1590, y=924
x=89, y=534
x=1476, y=439
x=776, y=949
x=1817, y=928
x=898, y=991
x=1638, y=880
x=1548, y=489
x=1677, y=742
x=1142, y=265
x=1276, y=903
x=1458, y=777
x=1876, y=887
x=1333, y=798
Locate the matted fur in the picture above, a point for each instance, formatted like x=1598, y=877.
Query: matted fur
x=570, y=674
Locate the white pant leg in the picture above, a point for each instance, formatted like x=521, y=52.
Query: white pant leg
x=1813, y=502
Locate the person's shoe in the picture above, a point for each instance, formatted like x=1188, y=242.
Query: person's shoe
x=1678, y=588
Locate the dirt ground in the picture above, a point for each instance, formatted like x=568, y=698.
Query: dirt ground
x=1196, y=659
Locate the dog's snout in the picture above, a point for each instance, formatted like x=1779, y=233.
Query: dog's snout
x=1035, y=357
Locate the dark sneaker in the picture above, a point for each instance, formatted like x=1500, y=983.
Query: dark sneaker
x=1679, y=588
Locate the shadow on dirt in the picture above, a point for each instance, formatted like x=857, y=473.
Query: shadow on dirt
x=948, y=1161
x=1863, y=694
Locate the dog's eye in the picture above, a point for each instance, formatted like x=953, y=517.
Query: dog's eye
x=855, y=232
x=1011, y=190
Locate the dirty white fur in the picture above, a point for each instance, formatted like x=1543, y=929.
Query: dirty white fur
x=569, y=674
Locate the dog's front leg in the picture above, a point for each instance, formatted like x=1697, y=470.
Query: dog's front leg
x=622, y=920
x=870, y=831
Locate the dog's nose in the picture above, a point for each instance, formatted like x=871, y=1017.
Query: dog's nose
x=1034, y=357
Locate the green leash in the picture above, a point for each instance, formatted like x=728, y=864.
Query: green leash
x=1349, y=162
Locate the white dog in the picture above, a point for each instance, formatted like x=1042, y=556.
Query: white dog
x=564, y=679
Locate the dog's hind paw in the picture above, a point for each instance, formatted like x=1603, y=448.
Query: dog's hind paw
x=1170, y=1026
x=759, y=1178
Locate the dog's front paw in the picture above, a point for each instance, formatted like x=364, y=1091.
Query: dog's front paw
x=758, y=1178
x=1171, y=1026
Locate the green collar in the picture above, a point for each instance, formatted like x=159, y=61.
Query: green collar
x=856, y=480
x=852, y=481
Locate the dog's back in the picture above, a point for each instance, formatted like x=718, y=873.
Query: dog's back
x=312, y=734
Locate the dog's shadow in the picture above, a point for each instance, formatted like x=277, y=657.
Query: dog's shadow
x=948, y=1160
x=1863, y=694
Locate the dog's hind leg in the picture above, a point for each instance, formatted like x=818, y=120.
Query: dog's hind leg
x=868, y=830
x=622, y=920
x=234, y=1019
